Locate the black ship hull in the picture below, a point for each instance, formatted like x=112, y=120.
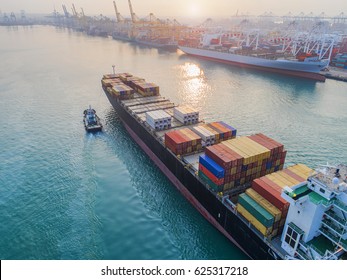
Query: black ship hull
x=212, y=208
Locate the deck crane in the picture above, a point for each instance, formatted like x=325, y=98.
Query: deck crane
x=118, y=15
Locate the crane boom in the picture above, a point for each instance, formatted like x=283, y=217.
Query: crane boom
x=74, y=10
x=133, y=18
x=118, y=15
x=65, y=10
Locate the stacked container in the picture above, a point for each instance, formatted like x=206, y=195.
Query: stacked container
x=267, y=190
x=182, y=141
x=207, y=136
x=257, y=215
x=211, y=173
x=215, y=132
x=244, y=159
x=130, y=81
x=124, y=76
x=340, y=60
x=186, y=114
x=226, y=131
x=158, y=120
x=122, y=91
x=146, y=89
x=111, y=82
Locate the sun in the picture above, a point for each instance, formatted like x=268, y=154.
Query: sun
x=193, y=9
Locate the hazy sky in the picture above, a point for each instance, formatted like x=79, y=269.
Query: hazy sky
x=180, y=8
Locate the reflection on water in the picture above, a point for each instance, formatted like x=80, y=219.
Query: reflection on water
x=193, y=85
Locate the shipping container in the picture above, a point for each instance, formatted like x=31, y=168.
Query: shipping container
x=209, y=182
x=212, y=166
x=256, y=210
x=273, y=210
x=249, y=217
x=273, y=196
x=211, y=176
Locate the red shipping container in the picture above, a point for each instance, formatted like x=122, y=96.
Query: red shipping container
x=271, y=184
x=209, y=174
x=270, y=194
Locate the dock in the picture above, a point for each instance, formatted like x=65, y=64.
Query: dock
x=336, y=74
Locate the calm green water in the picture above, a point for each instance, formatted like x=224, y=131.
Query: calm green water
x=65, y=194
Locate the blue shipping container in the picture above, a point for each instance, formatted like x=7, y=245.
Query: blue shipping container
x=212, y=166
x=233, y=130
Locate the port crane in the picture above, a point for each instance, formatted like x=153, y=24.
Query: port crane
x=134, y=17
x=119, y=17
x=13, y=17
x=74, y=10
x=66, y=13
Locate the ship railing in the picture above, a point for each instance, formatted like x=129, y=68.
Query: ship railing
x=229, y=204
x=331, y=214
x=340, y=205
x=338, y=241
x=302, y=254
x=339, y=230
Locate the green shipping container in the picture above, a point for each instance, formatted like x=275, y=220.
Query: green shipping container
x=263, y=216
x=208, y=181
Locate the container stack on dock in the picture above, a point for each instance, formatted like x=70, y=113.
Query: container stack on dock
x=183, y=141
x=340, y=61
x=158, y=120
x=266, y=193
x=244, y=159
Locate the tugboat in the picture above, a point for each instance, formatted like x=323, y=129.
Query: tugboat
x=91, y=120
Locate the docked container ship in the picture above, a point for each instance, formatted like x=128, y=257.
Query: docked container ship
x=238, y=183
x=270, y=62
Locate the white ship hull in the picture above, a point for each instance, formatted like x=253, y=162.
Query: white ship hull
x=309, y=69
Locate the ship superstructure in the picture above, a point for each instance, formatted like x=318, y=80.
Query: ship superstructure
x=316, y=225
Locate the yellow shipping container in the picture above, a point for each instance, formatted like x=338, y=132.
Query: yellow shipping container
x=262, y=151
x=282, y=179
x=288, y=177
x=275, y=180
x=229, y=144
x=268, y=206
x=297, y=171
x=249, y=217
x=240, y=143
x=304, y=169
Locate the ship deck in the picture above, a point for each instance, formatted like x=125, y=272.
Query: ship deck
x=136, y=109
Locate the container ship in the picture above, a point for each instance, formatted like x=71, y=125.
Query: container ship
x=251, y=57
x=238, y=183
